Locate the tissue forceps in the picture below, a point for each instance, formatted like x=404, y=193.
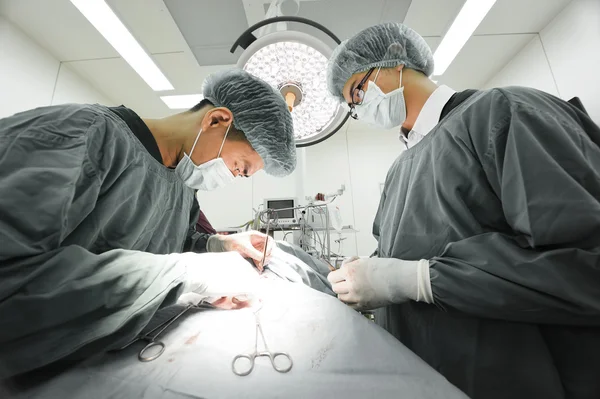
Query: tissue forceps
x=239, y=369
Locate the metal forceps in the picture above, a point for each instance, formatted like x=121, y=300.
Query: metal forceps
x=241, y=370
x=267, y=213
x=151, y=336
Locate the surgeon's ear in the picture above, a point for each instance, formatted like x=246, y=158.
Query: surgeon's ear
x=217, y=117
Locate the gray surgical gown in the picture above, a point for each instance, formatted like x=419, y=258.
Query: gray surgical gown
x=88, y=219
x=503, y=196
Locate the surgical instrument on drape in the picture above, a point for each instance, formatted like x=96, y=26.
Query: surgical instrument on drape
x=151, y=336
x=238, y=361
x=268, y=213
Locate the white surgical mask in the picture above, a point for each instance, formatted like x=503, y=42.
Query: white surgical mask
x=208, y=176
x=383, y=110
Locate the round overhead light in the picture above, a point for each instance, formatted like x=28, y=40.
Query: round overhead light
x=298, y=71
x=295, y=63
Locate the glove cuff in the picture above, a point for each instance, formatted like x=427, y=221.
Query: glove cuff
x=424, y=293
x=214, y=244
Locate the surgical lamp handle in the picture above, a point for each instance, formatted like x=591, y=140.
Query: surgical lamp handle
x=247, y=37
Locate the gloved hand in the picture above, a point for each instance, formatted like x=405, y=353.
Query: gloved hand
x=217, y=275
x=371, y=283
x=249, y=244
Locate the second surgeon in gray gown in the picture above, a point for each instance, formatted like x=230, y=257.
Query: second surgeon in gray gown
x=488, y=227
x=96, y=208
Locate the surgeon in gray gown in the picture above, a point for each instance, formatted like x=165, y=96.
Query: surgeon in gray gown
x=488, y=258
x=98, y=205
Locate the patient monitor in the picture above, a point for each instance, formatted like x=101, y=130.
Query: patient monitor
x=284, y=208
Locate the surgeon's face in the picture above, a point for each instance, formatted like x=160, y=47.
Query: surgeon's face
x=237, y=153
x=387, y=80
x=240, y=157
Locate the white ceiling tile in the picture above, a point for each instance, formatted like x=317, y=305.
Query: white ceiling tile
x=481, y=58
x=433, y=42
x=154, y=27
x=122, y=84
x=394, y=10
x=347, y=17
x=59, y=27
x=215, y=55
x=432, y=17
x=518, y=16
x=184, y=72
x=208, y=22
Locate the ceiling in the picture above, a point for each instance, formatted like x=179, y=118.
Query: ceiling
x=190, y=39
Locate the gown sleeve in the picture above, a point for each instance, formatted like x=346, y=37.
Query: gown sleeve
x=542, y=160
x=195, y=241
x=57, y=298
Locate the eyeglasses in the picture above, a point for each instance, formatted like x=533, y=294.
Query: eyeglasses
x=358, y=94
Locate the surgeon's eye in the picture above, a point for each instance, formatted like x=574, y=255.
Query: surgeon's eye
x=242, y=173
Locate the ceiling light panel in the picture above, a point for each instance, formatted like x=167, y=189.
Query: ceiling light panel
x=102, y=17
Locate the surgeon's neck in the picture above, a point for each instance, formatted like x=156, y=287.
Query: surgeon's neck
x=174, y=133
x=417, y=90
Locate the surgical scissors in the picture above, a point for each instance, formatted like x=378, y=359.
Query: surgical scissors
x=251, y=357
x=151, y=336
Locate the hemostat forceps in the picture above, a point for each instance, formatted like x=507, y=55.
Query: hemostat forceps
x=240, y=369
x=151, y=337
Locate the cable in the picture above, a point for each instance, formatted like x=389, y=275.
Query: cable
x=315, y=241
x=351, y=187
x=340, y=242
x=271, y=217
x=323, y=223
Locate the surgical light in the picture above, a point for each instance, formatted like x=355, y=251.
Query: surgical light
x=467, y=20
x=295, y=64
x=102, y=17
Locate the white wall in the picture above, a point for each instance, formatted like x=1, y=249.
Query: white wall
x=564, y=59
x=529, y=68
x=31, y=77
x=357, y=157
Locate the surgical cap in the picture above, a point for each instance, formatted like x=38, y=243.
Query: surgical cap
x=385, y=45
x=260, y=112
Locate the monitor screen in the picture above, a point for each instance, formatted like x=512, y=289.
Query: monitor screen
x=282, y=204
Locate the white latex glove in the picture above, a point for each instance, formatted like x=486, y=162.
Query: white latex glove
x=249, y=244
x=371, y=283
x=219, y=274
